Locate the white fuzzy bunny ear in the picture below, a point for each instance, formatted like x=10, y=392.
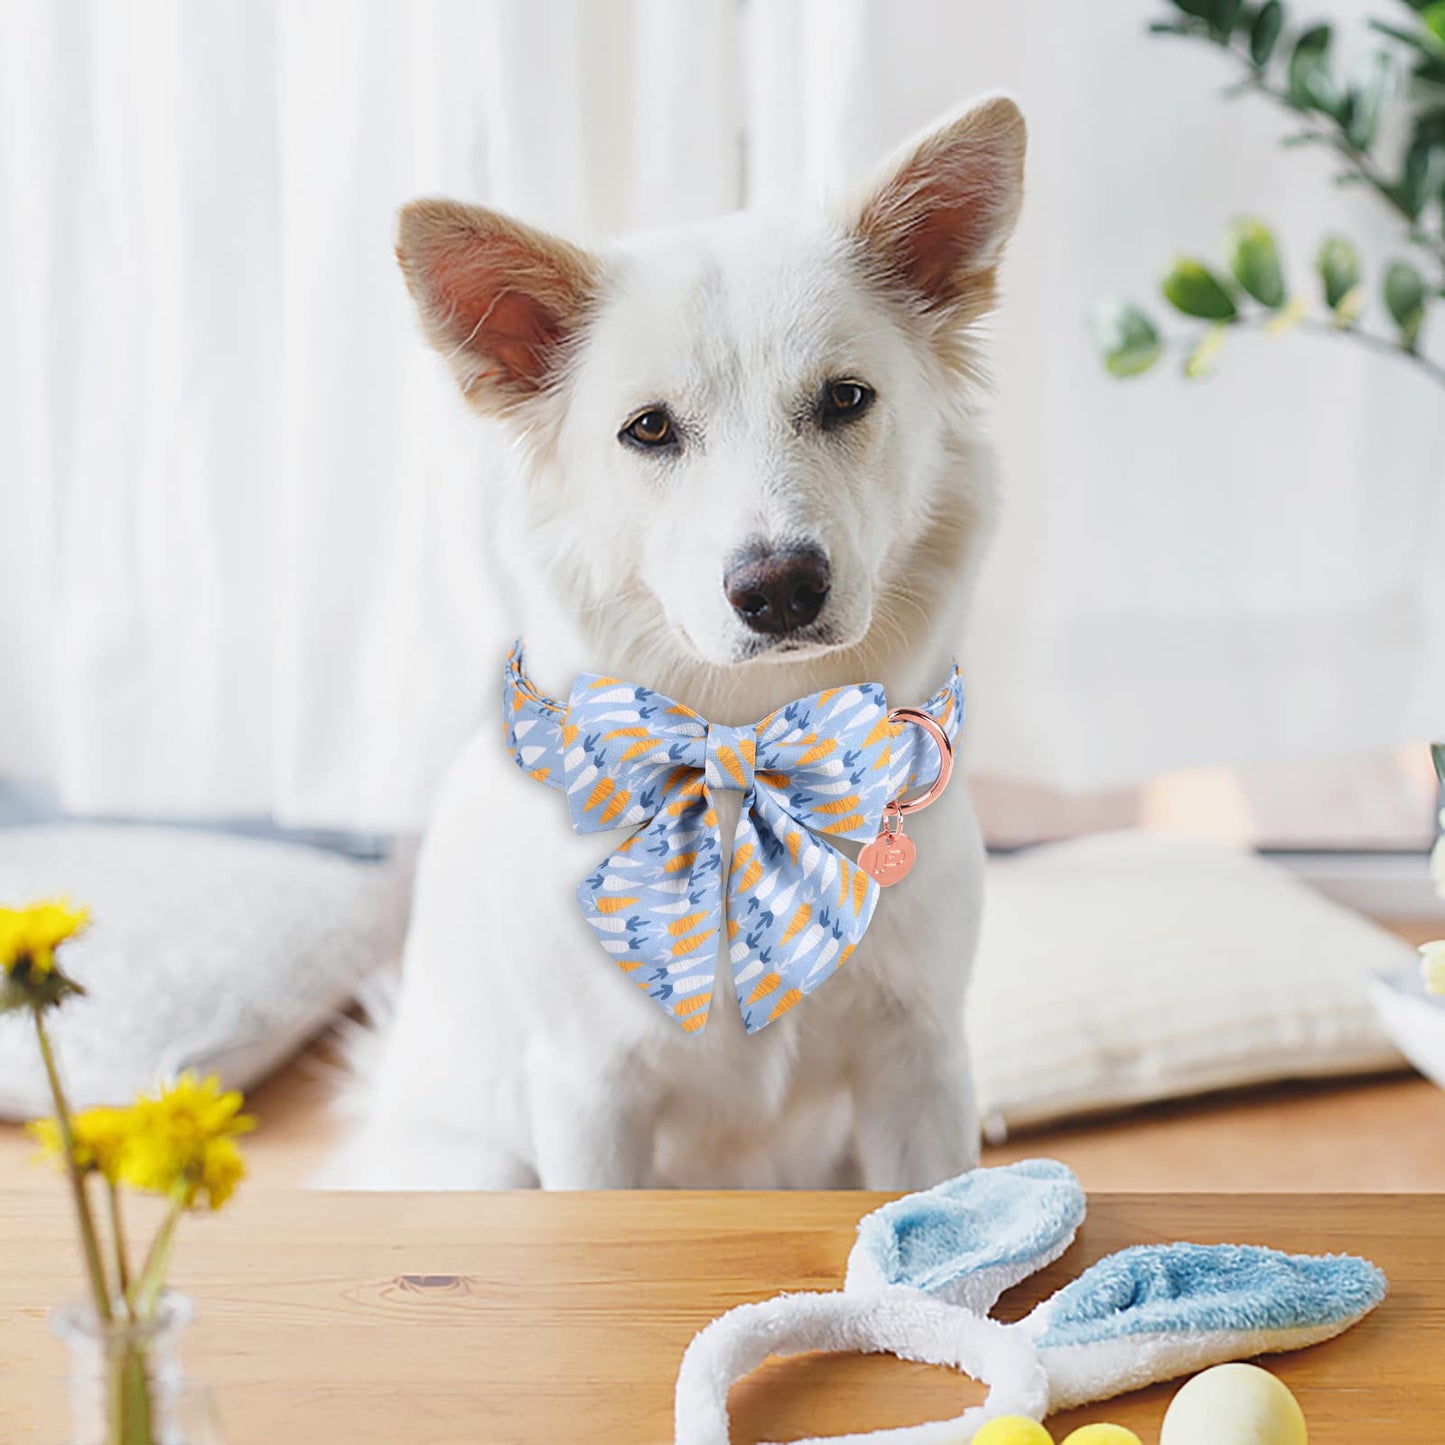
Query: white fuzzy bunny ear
x=1159, y=1311
x=924, y=1273
x=968, y=1240
x=927, y=1268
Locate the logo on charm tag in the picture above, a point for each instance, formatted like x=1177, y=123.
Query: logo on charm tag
x=887, y=859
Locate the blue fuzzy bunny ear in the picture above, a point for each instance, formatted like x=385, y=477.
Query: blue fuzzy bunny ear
x=1159, y=1311
x=968, y=1240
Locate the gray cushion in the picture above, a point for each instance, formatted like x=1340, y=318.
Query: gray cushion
x=207, y=952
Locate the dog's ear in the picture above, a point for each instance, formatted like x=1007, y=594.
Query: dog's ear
x=499, y=300
x=937, y=220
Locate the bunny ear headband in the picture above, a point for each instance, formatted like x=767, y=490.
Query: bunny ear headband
x=927, y=1269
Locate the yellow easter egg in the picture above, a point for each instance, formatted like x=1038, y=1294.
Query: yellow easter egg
x=1013, y=1430
x=1102, y=1435
x=1234, y=1405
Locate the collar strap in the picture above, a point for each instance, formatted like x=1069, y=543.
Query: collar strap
x=537, y=729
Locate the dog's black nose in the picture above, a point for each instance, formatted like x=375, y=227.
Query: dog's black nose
x=779, y=591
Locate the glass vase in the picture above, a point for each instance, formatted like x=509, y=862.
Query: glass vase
x=126, y=1385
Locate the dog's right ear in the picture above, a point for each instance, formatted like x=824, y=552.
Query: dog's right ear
x=499, y=300
x=937, y=219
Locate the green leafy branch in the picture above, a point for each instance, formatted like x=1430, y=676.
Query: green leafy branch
x=1254, y=296
x=1347, y=117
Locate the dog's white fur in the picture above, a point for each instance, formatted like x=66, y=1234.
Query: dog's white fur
x=518, y=1055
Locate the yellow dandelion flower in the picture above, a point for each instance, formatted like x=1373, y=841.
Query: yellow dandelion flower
x=29, y=936
x=223, y=1167
x=100, y=1140
x=182, y=1142
x=1433, y=966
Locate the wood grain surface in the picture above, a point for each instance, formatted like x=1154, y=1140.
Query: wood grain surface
x=427, y=1320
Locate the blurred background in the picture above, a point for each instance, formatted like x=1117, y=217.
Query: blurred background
x=242, y=571
x=241, y=578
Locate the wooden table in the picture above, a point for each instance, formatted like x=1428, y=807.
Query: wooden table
x=560, y=1319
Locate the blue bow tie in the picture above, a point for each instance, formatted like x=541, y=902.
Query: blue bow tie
x=821, y=768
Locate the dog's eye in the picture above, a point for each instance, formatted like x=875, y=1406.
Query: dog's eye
x=654, y=428
x=845, y=401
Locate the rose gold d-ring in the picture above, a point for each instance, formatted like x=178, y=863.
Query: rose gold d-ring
x=930, y=725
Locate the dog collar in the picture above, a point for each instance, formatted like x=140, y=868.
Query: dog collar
x=833, y=765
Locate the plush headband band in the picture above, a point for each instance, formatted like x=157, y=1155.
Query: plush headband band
x=927, y=1269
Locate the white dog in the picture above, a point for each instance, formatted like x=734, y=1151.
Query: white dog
x=747, y=469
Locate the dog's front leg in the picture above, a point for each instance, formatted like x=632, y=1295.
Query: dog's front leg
x=917, y=1122
x=591, y=1127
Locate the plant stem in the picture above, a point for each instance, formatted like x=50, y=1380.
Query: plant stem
x=90, y=1241
x=117, y=1234
x=128, y=1392
x=147, y=1287
x=136, y=1394
x=1432, y=369
x=1357, y=162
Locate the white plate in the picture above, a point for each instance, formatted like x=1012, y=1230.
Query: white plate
x=1414, y=1020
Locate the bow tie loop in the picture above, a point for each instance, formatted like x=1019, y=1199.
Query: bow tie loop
x=628, y=749
x=731, y=757
x=828, y=760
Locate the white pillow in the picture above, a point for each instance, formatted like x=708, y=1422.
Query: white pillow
x=207, y=952
x=1128, y=967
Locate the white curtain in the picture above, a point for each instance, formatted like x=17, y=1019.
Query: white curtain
x=238, y=512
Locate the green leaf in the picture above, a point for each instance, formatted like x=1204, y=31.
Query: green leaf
x=1350, y=309
x=1428, y=51
x=1338, y=264
x=1204, y=355
x=1433, y=19
x=1128, y=340
x=1422, y=163
x=1191, y=287
x=1254, y=258
x=1405, y=300
x=1311, y=84
x=1422, y=41
x=1223, y=17
x=1264, y=33
x=1395, y=32
x=1413, y=38
x=1367, y=101
x=1200, y=9
x=1430, y=125
x=1437, y=751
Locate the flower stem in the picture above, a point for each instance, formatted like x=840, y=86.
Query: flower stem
x=148, y=1284
x=90, y=1241
x=117, y=1235
x=128, y=1390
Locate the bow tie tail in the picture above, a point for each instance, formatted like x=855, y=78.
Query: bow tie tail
x=656, y=907
x=797, y=909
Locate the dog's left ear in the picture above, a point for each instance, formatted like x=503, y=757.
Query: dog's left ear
x=937, y=221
